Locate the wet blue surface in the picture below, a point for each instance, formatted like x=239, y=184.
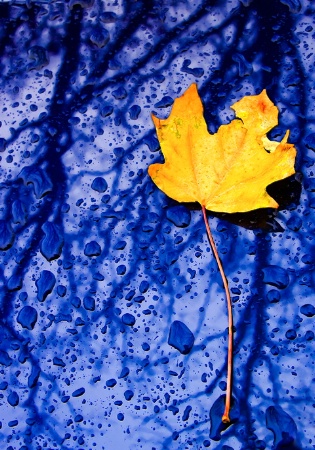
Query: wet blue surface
x=97, y=264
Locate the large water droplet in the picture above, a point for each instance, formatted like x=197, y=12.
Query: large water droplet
x=27, y=317
x=276, y=276
x=180, y=337
x=283, y=427
x=45, y=284
x=52, y=243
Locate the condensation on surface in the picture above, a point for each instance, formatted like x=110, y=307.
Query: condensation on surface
x=113, y=316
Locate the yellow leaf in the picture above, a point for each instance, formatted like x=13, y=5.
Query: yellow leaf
x=227, y=171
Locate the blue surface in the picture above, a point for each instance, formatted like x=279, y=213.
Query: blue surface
x=96, y=263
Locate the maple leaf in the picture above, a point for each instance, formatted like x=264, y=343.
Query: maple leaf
x=227, y=171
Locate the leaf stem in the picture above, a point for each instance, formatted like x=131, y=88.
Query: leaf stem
x=226, y=414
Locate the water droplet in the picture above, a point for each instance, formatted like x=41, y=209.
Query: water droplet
x=13, y=399
x=52, y=243
x=273, y=296
x=216, y=413
x=144, y=286
x=58, y=362
x=294, y=5
x=108, y=17
x=179, y=216
x=99, y=184
x=282, y=425
x=165, y=102
x=27, y=317
x=89, y=303
x=5, y=359
x=290, y=334
x=128, y=395
x=6, y=235
x=45, y=284
x=276, y=276
x=124, y=373
x=196, y=72
x=39, y=57
x=34, y=375
x=134, y=112
x=308, y=310
x=128, y=319
x=3, y=144
x=180, y=337
x=38, y=177
x=111, y=382
x=121, y=269
x=15, y=282
x=19, y=212
x=107, y=110
x=78, y=392
x=92, y=249
x=294, y=223
x=100, y=37
x=120, y=93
